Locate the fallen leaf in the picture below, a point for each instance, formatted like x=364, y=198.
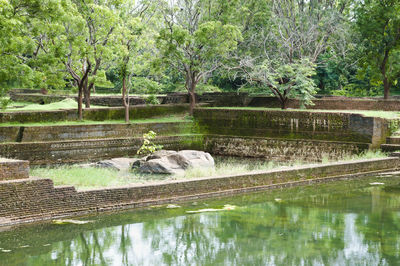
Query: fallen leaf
x=70, y=221
x=225, y=208
x=172, y=206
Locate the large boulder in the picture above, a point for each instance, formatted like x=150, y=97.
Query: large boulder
x=119, y=164
x=172, y=162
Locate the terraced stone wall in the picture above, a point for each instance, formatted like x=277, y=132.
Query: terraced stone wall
x=281, y=149
x=77, y=151
x=96, y=131
x=13, y=169
x=34, y=199
x=291, y=125
x=326, y=103
x=111, y=101
x=96, y=114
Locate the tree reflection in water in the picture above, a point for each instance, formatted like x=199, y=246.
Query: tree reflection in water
x=353, y=226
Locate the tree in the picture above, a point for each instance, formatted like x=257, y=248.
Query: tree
x=194, y=43
x=292, y=80
x=129, y=45
x=84, y=44
x=378, y=23
x=25, y=26
x=286, y=46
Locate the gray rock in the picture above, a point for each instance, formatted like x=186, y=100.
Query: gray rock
x=172, y=162
x=116, y=163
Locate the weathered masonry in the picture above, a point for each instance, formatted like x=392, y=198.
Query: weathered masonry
x=289, y=134
x=33, y=199
x=278, y=135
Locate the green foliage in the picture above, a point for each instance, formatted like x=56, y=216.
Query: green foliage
x=152, y=99
x=293, y=80
x=378, y=23
x=197, y=45
x=143, y=85
x=198, y=48
x=148, y=147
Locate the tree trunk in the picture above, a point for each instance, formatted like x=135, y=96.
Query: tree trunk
x=386, y=88
x=284, y=103
x=80, y=99
x=192, y=101
x=87, y=89
x=125, y=99
x=386, y=83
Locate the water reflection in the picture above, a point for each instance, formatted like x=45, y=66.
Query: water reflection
x=351, y=227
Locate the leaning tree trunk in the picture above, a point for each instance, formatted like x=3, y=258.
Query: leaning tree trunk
x=125, y=99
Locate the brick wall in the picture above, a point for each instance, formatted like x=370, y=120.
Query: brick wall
x=74, y=151
x=13, y=169
x=111, y=101
x=282, y=149
x=37, y=199
x=97, y=131
x=324, y=103
x=293, y=125
x=96, y=114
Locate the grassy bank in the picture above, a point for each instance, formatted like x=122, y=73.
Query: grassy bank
x=92, y=177
x=164, y=119
x=381, y=114
x=24, y=106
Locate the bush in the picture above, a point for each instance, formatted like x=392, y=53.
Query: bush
x=142, y=85
x=152, y=99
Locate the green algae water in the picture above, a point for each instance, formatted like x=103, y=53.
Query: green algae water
x=353, y=222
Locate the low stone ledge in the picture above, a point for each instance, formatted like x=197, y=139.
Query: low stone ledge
x=36, y=199
x=13, y=169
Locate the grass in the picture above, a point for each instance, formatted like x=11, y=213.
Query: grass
x=381, y=114
x=369, y=154
x=92, y=177
x=64, y=104
x=166, y=119
x=79, y=177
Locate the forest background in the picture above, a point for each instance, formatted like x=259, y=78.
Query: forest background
x=286, y=48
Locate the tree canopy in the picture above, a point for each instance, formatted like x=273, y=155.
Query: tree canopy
x=287, y=48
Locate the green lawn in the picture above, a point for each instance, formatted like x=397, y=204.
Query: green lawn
x=382, y=114
x=64, y=104
x=166, y=119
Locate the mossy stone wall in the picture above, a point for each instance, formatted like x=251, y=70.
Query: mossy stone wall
x=97, y=131
x=293, y=125
x=281, y=149
x=13, y=169
x=35, y=199
x=78, y=151
x=97, y=114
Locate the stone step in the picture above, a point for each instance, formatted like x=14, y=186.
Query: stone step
x=390, y=147
x=11, y=169
x=393, y=140
x=395, y=134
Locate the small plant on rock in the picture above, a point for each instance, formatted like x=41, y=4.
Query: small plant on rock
x=149, y=147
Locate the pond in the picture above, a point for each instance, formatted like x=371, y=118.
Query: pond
x=353, y=222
